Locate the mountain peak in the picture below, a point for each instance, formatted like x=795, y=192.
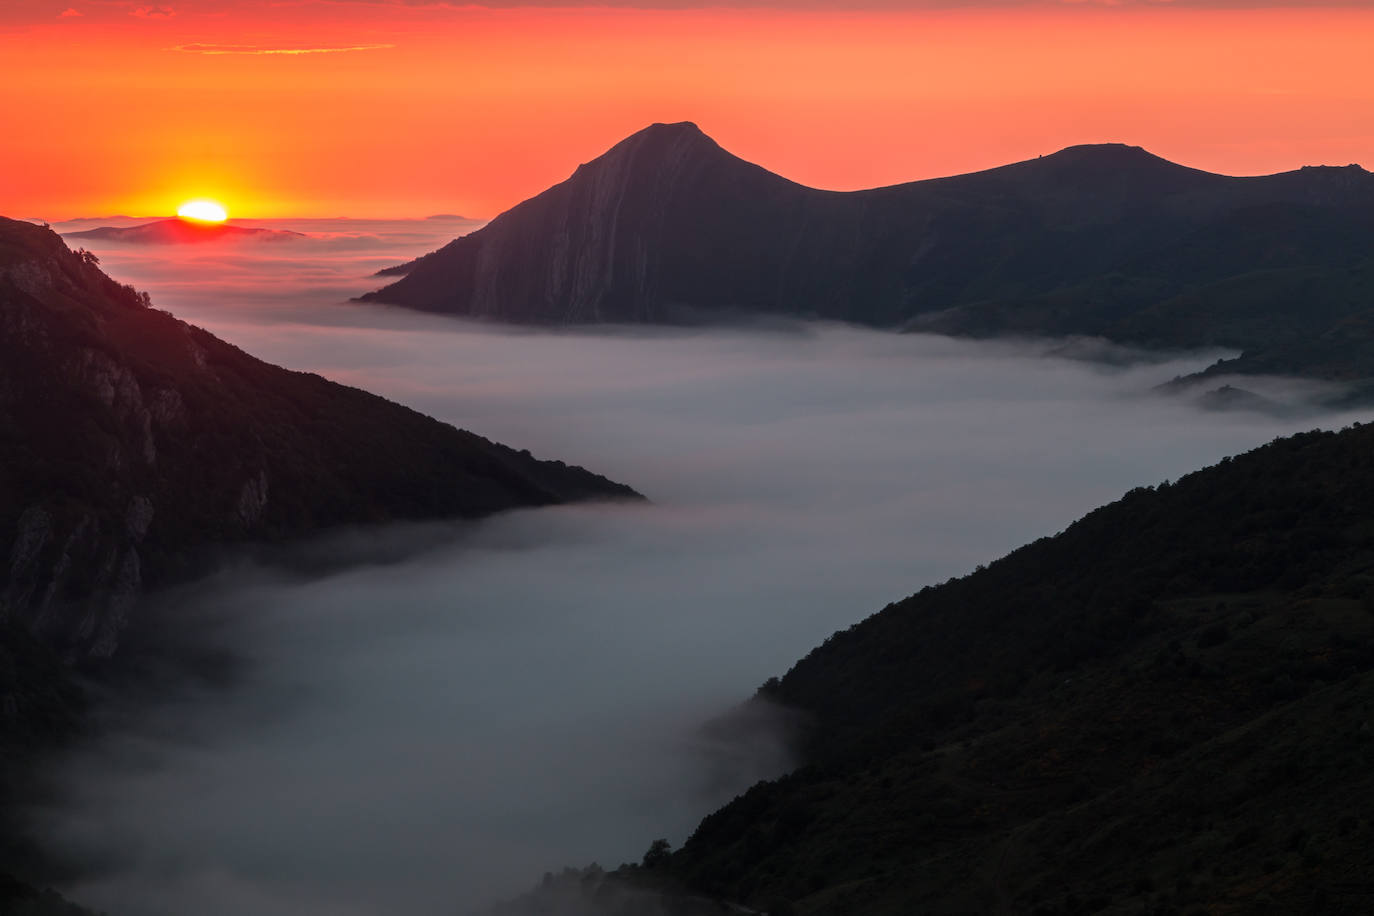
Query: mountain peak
x=1107, y=149
x=1111, y=155
x=1091, y=170
x=666, y=226
x=654, y=153
x=673, y=127
x=682, y=139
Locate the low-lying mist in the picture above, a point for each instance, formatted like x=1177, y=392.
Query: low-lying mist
x=427, y=732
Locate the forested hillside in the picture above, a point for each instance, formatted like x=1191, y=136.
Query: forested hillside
x=1166, y=709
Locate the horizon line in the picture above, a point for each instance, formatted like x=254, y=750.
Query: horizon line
x=651, y=125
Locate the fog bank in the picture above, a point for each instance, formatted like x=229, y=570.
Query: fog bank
x=424, y=734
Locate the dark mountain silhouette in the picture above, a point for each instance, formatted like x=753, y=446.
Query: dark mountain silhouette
x=132, y=439
x=1168, y=707
x=1104, y=240
x=180, y=232
x=134, y=447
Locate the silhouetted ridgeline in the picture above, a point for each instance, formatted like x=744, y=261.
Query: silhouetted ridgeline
x=1104, y=240
x=132, y=438
x=181, y=231
x=132, y=445
x=1167, y=708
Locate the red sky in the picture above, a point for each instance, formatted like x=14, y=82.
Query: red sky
x=116, y=106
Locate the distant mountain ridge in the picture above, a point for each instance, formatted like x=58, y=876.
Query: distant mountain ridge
x=1105, y=240
x=180, y=232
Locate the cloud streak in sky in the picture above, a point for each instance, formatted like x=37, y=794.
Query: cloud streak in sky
x=257, y=49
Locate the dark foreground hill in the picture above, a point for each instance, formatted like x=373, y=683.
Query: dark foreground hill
x=134, y=446
x=1167, y=708
x=181, y=232
x=1103, y=240
x=131, y=441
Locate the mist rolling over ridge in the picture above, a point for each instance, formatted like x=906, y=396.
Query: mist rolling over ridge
x=432, y=733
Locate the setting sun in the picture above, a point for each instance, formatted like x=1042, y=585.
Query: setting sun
x=205, y=211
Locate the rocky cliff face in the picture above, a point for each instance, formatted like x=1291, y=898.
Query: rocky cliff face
x=133, y=445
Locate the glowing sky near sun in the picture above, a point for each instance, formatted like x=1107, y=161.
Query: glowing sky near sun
x=374, y=108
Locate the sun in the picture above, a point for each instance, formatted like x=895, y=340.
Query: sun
x=203, y=211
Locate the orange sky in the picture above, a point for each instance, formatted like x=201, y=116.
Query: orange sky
x=469, y=110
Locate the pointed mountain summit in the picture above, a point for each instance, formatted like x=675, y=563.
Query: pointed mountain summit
x=589, y=249
x=660, y=145
x=1102, y=239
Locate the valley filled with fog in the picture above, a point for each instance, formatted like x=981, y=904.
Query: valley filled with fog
x=460, y=708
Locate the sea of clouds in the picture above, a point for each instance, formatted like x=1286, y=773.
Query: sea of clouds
x=457, y=709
